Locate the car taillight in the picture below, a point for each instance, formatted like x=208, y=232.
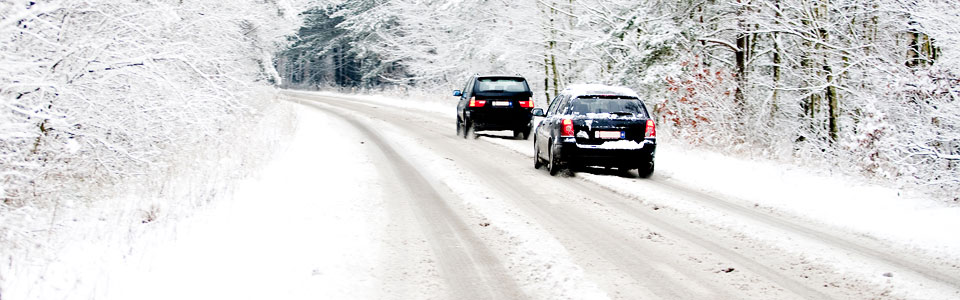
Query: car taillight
x=567, y=127
x=651, y=131
x=527, y=103
x=477, y=103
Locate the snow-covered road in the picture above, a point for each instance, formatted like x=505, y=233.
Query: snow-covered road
x=474, y=219
x=377, y=198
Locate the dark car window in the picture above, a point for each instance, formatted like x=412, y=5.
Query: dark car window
x=553, y=106
x=513, y=85
x=600, y=105
x=564, y=106
x=469, y=89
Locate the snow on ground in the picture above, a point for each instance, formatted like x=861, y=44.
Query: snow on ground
x=77, y=248
x=445, y=105
x=834, y=200
x=309, y=225
x=815, y=195
x=539, y=263
x=837, y=200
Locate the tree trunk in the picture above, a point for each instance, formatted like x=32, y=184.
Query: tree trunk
x=556, y=77
x=741, y=55
x=777, y=60
x=546, y=78
x=833, y=105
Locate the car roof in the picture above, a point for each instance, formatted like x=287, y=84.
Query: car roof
x=578, y=90
x=500, y=76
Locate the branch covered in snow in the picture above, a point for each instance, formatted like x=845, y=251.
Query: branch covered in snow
x=94, y=92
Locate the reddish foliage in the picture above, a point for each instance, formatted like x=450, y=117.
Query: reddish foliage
x=690, y=97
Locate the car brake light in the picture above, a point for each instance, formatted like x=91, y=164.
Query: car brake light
x=651, y=131
x=527, y=103
x=566, y=128
x=477, y=103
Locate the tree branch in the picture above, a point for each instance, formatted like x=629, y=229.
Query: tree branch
x=721, y=42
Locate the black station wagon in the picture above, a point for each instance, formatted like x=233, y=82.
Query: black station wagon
x=596, y=125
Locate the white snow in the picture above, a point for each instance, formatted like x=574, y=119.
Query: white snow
x=310, y=225
x=863, y=207
x=542, y=265
x=576, y=90
x=901, y=218
x=841, y=201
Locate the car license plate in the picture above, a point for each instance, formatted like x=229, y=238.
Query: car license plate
x=609, y=134
x=502, y=103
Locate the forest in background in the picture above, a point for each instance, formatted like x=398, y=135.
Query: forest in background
x=858, y=86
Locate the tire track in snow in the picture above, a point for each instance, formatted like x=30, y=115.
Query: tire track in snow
x=864, y=247
x=470, y=270
x=664, y=281
x=873, y=252
x=612, y=245
x=868, y=250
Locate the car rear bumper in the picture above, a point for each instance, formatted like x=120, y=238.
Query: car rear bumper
x=591, y=155
x=501, y=120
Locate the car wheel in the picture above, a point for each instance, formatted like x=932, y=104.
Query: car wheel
x=526, y=133
x=459, y=127
x=624, y=170
x=518, y=134
x=472, y=132
x=646, y=170
x=553, y=166
x=537, y=163
x=465, y=131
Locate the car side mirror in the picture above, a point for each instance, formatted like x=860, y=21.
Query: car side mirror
x=457, y=93
x=538, y=112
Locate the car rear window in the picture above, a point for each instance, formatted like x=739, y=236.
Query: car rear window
x=506, y=85
x=607, y=105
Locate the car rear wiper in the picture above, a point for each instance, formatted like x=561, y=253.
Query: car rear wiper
x=622, y=113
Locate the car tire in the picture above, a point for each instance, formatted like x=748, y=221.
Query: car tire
x=646, y=169
x=624, y=170
x=537, y=163
x=525, y=134
x=459, y=127
x=518, y=134
x=466, y=130
x=472, y=132
x=553, y=164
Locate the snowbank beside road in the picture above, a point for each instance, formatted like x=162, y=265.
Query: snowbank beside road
x=82, y=249
x=847, y=203
x=851, y=203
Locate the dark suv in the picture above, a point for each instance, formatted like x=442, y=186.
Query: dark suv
x=596, y=125
x=495, y=102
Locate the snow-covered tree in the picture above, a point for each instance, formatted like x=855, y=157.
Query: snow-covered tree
x=866, y=85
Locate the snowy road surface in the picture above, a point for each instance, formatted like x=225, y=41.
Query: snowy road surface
x=379, y=199
x=474, y=219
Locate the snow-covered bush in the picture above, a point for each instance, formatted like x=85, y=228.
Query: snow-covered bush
x=99, y=97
